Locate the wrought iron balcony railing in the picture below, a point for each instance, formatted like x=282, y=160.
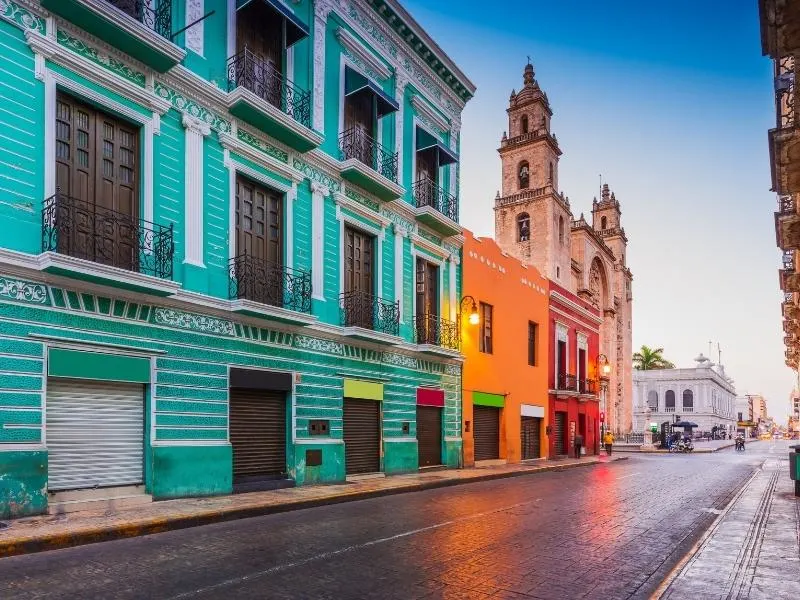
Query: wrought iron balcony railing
x=567, y=382
x=153, y=14
x=88, y=231
x=785, y=92
x=786, y=205
x=427, y=193
x=269, y=283
x=253, y=73
x=433, y=330
x=587, y=386
x=360, y=309
x=355, y=143
x=788, y=260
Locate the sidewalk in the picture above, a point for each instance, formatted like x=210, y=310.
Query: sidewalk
x=700, y=447
x=50, y=532
x=752, y=550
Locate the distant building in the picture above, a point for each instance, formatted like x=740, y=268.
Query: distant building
x=703, y=394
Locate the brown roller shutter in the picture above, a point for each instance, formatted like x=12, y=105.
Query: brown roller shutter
x=429, y=435
x=560, y=446
x=258, y=434
x=362, y=436
x=531, y=427
x=486, y=432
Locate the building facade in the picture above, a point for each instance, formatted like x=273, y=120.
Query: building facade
x=504, y=395
x=794, y=412
x=703, y=395
x=534, y=222
x=231, y=250
x=577, y=386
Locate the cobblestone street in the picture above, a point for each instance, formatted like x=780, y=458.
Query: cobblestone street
x=607, y=531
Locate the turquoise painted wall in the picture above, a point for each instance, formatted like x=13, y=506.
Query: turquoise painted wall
x=23, y=483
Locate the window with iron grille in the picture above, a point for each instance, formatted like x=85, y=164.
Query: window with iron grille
x=486, y=328
x=533, y=334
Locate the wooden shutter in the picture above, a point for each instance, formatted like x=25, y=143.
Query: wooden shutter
x=258, y=434
x=429, y=435
x=259, y=221
x=358, y=261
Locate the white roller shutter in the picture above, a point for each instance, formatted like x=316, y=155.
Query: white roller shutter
x=95, y=434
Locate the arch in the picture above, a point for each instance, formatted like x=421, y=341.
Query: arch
x=603, y=223
x=560, y=229
x=652, y=400
x=688, y=399
x=524, y=175
x=523, y=227
x=669, y=401
x=524, y=123
x=598, y=283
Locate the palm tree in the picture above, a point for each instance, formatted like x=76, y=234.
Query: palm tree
x=648, y=359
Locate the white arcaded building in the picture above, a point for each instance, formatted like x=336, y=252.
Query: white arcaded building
x=703, y=394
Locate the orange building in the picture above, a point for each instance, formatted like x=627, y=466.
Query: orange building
x=505, y=392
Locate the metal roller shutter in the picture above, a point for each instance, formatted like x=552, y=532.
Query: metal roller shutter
x=486, y=432
x=258, y=434
x=560, y=446
x=429, y=435
x=95, y=434
x=362, y=436
x=531, y=428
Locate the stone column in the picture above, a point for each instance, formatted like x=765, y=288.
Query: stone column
x=195, y=276
x=400, y=234
x=318, y=193
x=453, y=261
x=401, y=82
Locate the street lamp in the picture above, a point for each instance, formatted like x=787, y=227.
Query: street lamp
x=474, y=317
x=603, y=370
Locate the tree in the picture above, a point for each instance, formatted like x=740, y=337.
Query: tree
x=648, y=359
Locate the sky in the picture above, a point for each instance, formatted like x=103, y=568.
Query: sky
x=671, y=103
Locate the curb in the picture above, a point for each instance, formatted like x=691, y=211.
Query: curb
x=160, y=524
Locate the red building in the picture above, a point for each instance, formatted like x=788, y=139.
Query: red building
x=574, y=378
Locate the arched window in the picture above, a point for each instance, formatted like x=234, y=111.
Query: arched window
x=560, y=229
x=669, y=401
x=652, y=400
x=523, y=227
x=524, y=175
x=688, y=400
x=524, y=123
x=603, y=223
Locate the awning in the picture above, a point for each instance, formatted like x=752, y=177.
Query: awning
x=356, y=83
x=296, y=30
x=426, y=141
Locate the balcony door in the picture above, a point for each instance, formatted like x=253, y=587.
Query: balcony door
x=358, y=278
x=427, y=167
x=427, y=304
x=97, y=175
x=259, y=242
x=359, y=120
x=259, y=31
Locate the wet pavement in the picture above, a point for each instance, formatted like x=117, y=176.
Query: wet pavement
x=753, y=550
x=607, y=531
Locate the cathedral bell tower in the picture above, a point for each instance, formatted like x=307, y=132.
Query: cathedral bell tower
x=532, y=220
x=607, y=222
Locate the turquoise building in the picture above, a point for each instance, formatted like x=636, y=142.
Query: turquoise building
x=230, y=250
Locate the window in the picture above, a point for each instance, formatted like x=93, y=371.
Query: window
x=486, y=328
x=524, y=175
x=688, y=399
x=740, y=417
x=669, y=401
x=603, y=223
x=652, y=400
x=523, y=227
x=533, y=335
x=561, y=230
x=524, y=123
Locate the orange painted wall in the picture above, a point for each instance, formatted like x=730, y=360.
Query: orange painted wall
x=518, y=295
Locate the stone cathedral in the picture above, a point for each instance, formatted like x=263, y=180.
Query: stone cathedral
x=535, y=223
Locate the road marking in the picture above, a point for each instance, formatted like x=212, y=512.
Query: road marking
x=631, y=475
x=332, y=553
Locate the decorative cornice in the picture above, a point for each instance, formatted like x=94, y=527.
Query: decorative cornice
x=575, y=306
x=320, y=175
x=349, y=41
x=422, y=107
x=435, y=249
x=361, y=210
x=195, y=125
x=234, y=144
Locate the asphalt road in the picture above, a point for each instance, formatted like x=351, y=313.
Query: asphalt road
x=606, y=532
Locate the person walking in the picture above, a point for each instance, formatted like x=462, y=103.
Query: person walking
x=608, y=442
x=578, y=444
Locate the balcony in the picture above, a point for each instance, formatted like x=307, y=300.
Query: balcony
x=566, y=383
x=369, y=317
x=784, y=138
x=435, y=335
x=669, y=409
x=369, y=165
x=259, y=94
x=587, y=387
x=92, y=243
x=787, y=231
x=265, y=289
x=436, y=207
x=140, y=28
x=688, y=409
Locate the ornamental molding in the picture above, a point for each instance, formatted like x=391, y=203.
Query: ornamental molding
x=257, y=155
x=401, y=213
x=318, y=345
x=99, y=57
x=355, y=207
x=575, y=306
x=424, y=244
x=195, y=33
x=19, y=15
x=316, y=174
x=430, y=237
x=26, y=291
x=362, y=199
x=193, y=322
x=175, y=99
x=257, y=142
x=362, y=53
x=318, y=188
x=111, y=81
x=428, y=115
x=452, y=369
x=400, y=360
x=195, y=125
